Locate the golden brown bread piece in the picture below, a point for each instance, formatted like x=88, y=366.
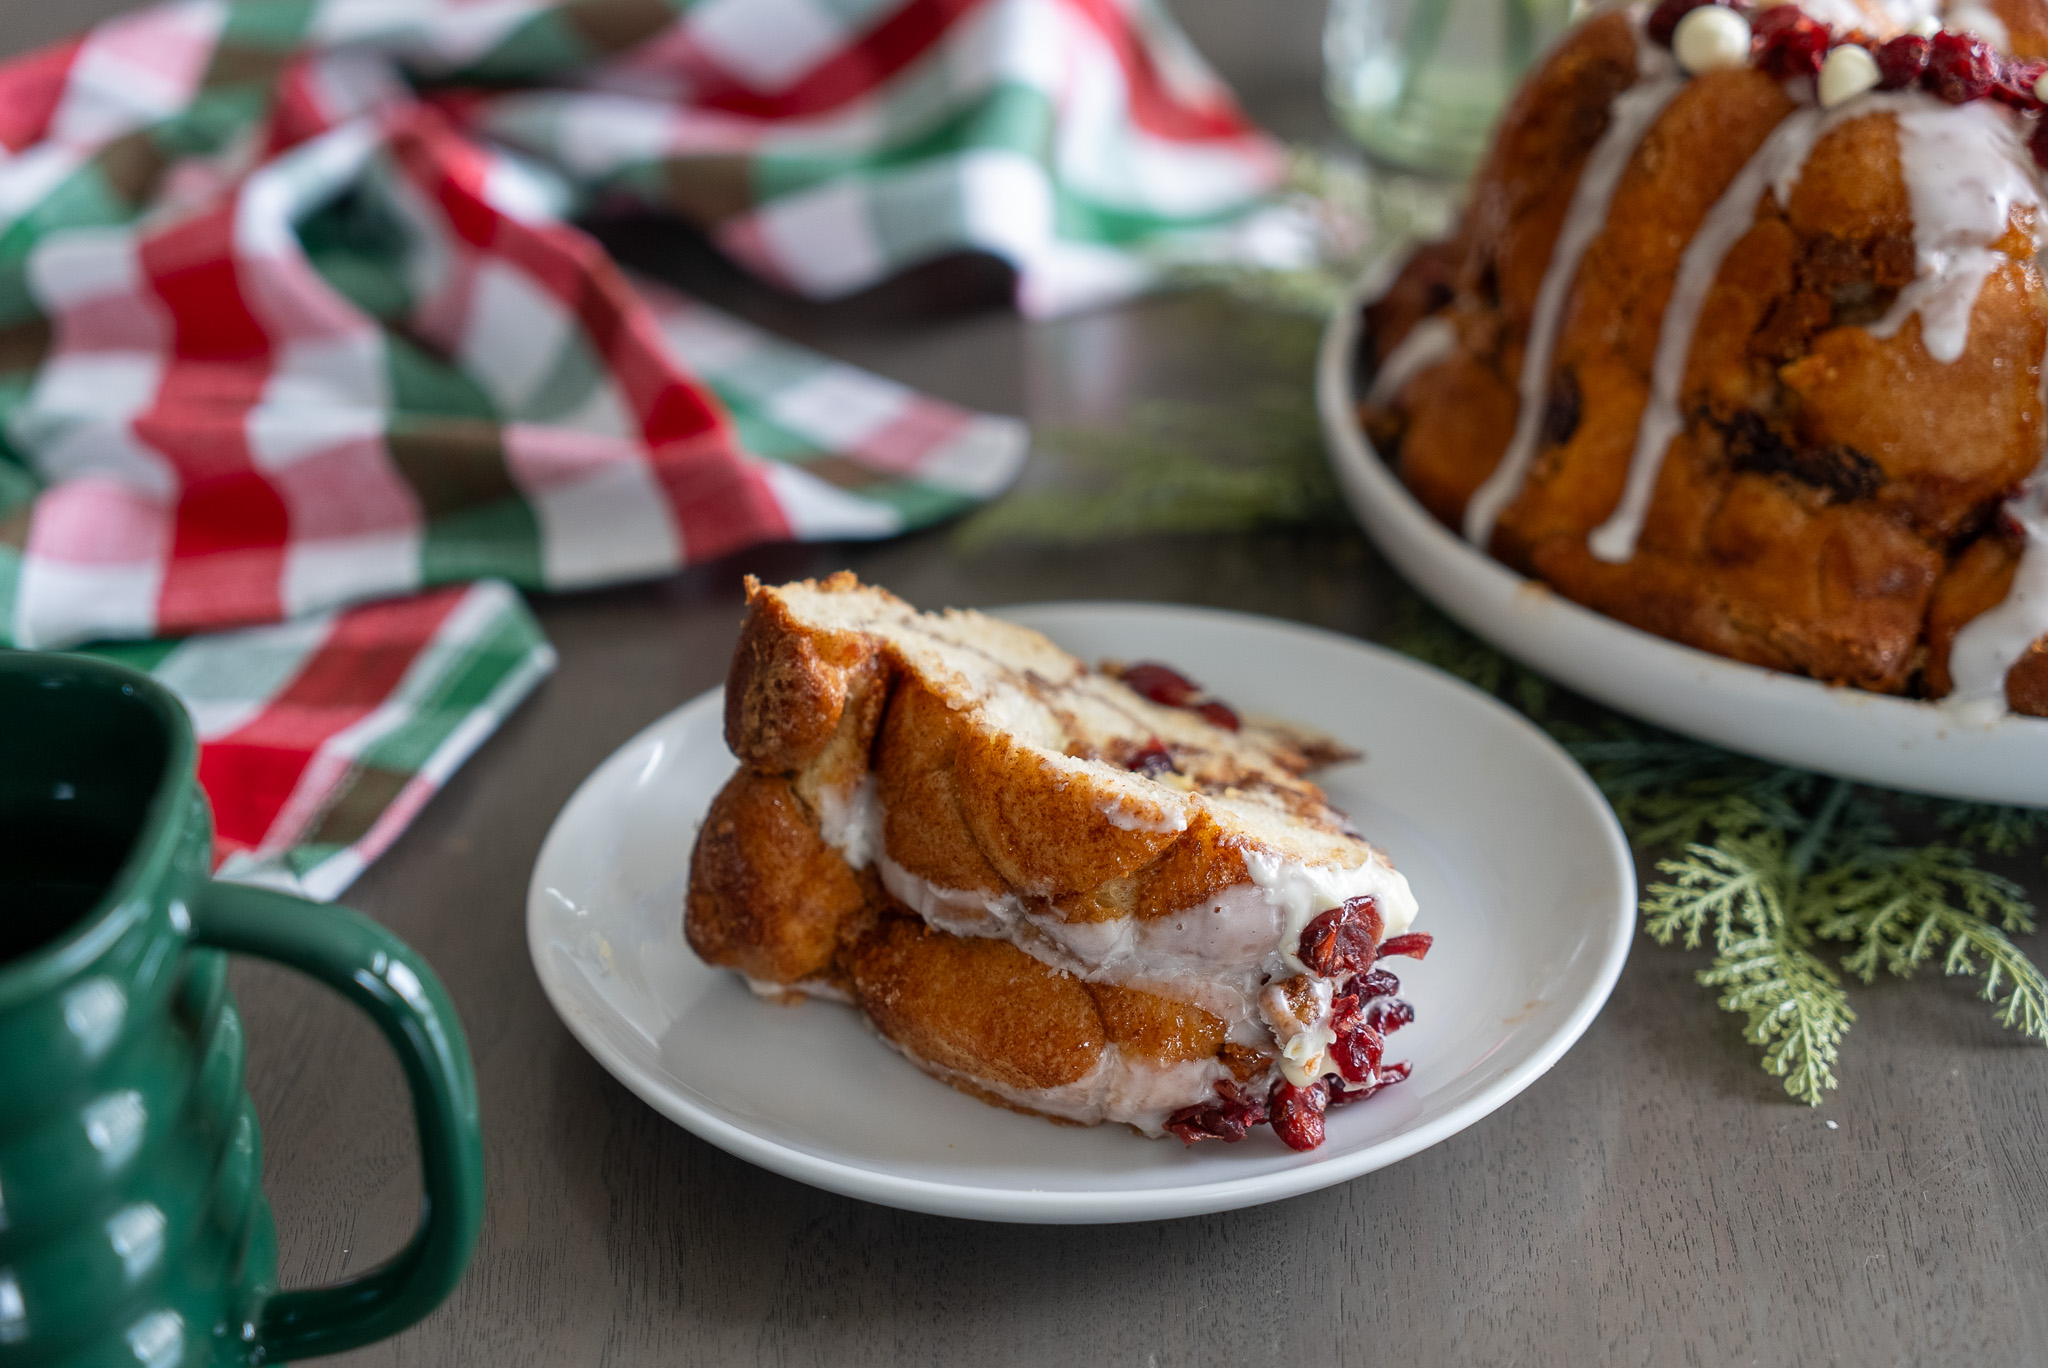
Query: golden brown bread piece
x=975, y=1006
x=767, y=896
x=1822, y=508
x=1038, y=884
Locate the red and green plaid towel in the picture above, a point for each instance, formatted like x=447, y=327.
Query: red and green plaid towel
x=320, y=738
x=293, y=317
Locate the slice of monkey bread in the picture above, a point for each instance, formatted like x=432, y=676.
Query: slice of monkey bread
x=1091, y=894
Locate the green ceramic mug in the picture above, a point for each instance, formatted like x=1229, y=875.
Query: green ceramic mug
x=133, y=1228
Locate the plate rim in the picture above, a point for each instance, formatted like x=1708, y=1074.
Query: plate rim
x=1483, y=589
x=1041, y=1206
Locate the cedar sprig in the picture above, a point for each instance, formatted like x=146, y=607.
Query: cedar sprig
x=1993, y=827
x=1741, y=893
x=1900, y=906
x=1771, y=861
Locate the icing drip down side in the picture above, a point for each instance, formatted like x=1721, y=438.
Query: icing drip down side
x=1428, y=343
x=1965, y=168
x=1989, y=645
x=1775, y=167
x=1217, y=955
x=1635, y=109
x=1122, y=1087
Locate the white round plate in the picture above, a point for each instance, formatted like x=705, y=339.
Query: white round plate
x=1894, y=742
x=1519, y=866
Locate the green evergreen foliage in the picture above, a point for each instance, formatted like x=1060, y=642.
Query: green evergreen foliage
x=1994, y=829
x=1767, y=866
x=1238, y=450
x=1172, y=466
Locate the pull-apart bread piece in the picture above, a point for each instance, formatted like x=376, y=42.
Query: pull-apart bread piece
x=1091, y=894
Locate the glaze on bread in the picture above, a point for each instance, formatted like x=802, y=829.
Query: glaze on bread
x=1040, y=884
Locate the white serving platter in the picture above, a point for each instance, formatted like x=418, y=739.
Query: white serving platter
x=1522, y=874
x=1893, y=742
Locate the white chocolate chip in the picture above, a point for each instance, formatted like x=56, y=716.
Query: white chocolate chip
x=1926, y=26
x=1711, y=38
x=1847, y=72
x=2041, y=87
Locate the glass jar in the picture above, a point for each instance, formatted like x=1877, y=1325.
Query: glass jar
x=1419, y=83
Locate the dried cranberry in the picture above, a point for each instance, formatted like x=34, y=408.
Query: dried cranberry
x=2016, y=78
x=1357, y=1054
x=1900, y=62
x=1663, y=20
x=1170, y=688
x=1387, y=1075
x=1347, y=1010
x=1298, y=1113
x=1153, y=761
x=1378, y=983
x=1388, y=1015
x=1788, y=43
x=1342, y=940
x=1960, y=68
x=1160, y=683
x=1228, y=1118
x=1415, y=945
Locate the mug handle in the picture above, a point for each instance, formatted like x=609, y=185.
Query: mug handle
x=382, y=975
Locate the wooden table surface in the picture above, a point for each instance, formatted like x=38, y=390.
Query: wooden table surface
x=1654, y=1199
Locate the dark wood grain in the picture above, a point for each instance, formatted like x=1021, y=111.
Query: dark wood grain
x=1654, y=1200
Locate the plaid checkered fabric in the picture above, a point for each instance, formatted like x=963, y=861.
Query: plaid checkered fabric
x=364, y=368
x=319, y=739
x=827, y=143
x=293, y=317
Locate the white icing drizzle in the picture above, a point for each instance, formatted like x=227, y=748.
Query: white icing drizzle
x=1989, y=645
x=801, y=988
x=1775, y=168
x=1174, y=817
x=783, y=992
x=1963, y=174
x=1304, y=892
x=1303, y=1044
x=1635, y=109
x=1964, y=169
x=1141, y=1093
x=851, y=822
x=1429, y=343
x=962, y=911
x=1217, y=955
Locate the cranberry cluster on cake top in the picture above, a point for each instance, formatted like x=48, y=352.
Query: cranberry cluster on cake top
x=1784, y=41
